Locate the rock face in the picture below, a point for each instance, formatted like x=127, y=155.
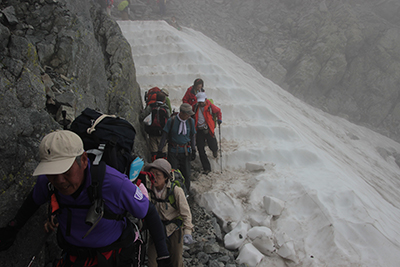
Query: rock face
x=55, y=55
x=340, y=56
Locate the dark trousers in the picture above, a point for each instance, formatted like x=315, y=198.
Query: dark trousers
x=182, y=162
x=175, y=249
x=201, y=139
x=122, y=253
x=162, y=7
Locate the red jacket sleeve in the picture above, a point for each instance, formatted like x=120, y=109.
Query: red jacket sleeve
x=216, y=110
x=186, y=97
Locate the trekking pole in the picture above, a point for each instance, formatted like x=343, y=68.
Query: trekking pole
x=39, y=248
x=220, y=145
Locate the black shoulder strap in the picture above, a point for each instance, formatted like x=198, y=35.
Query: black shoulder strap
x=97, y=172
x=172, y=124
x=170, y=128
x=192, y=125
x=95, y=190
x=171, y=192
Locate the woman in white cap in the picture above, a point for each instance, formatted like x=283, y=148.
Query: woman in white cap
x=176, y=216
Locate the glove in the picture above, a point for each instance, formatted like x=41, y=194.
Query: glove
x=8, y=235
x=164, y=262
x=188, y=239
x=219, y=122
x=193, y=155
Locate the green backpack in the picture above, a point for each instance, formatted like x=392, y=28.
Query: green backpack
x=177, y=180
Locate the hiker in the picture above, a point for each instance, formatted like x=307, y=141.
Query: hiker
x=167, y=100
x=160, y=113
x=180, y=133
x=109, y=6
x=175, y=215
x=190, y=95
x=205, y=128
x=162, y=7
x=174, y=23
x=124, y=9
x=64, y=177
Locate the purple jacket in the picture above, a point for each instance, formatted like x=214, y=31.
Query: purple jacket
x=119, y=195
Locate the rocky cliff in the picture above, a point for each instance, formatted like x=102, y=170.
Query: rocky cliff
x=55, y=55
x=340, y=56
x=65, y=55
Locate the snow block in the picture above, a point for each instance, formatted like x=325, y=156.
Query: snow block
x=287, y=251
x=262, y=239
x=235, y=238
x=249, y=255
x=273, y=206
x=255, y=166
x=281, y=238
x=259, y=231
x=228, y=210
x=265, y=245
x=260, y=219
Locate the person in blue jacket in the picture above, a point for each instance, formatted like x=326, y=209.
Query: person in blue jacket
x=64, y=178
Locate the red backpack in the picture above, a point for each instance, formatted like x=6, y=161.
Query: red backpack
x=150, y=96
x=159, y=117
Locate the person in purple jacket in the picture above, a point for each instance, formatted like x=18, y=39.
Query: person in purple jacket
x=65, y=169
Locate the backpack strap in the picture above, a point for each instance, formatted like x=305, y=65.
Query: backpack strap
x=95, y=190
x=173, y=117
x=97, y=121
x=97, y=172
x=170, y=198
x=192, y=130
x=170, y=128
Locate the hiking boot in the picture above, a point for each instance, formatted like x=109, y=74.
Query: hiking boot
x=215, y=153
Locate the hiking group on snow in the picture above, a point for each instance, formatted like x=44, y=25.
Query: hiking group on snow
x=85, y=176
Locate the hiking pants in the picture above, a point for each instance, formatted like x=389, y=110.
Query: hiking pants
x=161, y=5
x=182, y=162
x=201, y=138
x=175, y=249
x=122, y=253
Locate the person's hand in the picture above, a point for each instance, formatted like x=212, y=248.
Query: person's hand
x=219, y=122
x=51, y=224
x=193, y=155
x=188, y=239
x=164, y=262
x=8, y=235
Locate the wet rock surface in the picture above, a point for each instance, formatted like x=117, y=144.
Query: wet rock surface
x=55, y=56
x=208, y=250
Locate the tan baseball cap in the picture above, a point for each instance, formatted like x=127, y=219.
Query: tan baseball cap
x=186, y=108
x=58, y=151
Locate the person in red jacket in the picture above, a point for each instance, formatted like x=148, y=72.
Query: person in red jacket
x=190, y=95
x=205, y=127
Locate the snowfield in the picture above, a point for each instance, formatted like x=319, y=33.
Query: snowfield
x=298, y=187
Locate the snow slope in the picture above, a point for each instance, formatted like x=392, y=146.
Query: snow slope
x=335, y=185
